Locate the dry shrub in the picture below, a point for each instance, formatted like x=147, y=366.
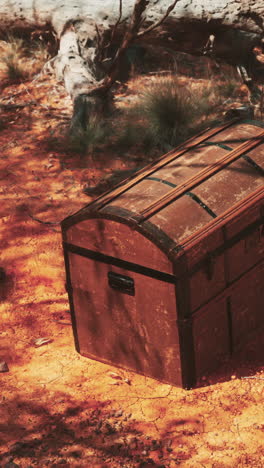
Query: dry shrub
x=19, y=60
x=12, y=59
x=98, y=132
x=169, y=111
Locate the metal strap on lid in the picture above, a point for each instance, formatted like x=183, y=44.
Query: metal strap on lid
x=246, y=157
x=203, y=175
x=190, y=194
x=163, y=161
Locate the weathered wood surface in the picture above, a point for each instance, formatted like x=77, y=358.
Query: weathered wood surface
x=238, y=13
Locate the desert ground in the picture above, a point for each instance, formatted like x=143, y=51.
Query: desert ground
x=57, y=407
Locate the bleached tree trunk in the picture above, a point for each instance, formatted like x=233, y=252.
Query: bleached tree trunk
x=236, y=13
x=189, y=24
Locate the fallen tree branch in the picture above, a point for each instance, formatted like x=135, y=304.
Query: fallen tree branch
x=159, y=22
x=131, y=34
x=61, y=322
x=129, y=37
x=117, y=23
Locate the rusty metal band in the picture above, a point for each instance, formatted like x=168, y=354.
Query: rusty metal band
x=69, y=291
x=108, y=259
x=156, y=274
x=246, y=157
x=190, y=194
x=163, y=161
x=203, y=175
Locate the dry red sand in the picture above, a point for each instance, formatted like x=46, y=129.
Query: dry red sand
x=58, y=408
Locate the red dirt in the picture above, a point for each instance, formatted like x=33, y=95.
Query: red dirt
x=58, y=408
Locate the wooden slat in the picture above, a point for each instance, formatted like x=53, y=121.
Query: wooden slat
x=219, y=222
x=203, y=175
x=163, y=161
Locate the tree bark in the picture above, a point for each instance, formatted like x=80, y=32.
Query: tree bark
x=235, y=14
x=237, y=26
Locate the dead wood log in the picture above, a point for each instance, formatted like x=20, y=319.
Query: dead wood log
x=86, y=29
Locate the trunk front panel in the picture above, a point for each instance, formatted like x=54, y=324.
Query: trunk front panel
x=132, y=327
x=118, y=240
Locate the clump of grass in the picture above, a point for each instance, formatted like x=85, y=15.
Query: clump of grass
x=168, y=112
x=15, y=44
x=38, y=55
x=12, y=57
x=128, y=135
x=227, y=88
x=20, y=60
x=206, y=101
x=132, y=134
x=97, y=133
x=14, y=70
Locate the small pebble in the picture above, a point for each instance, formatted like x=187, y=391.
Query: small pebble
x=169, y=443
x=4, y=367
x=41, y=341
x=113, y=375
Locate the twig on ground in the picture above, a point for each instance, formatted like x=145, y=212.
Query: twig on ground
x=48, y=67
x=17, y=106
x=61, y=322
x=253, y=377
x=49, y=223
x=12, y=96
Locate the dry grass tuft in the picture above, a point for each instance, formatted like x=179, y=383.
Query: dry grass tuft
x=96, y=134
x=168, y=112
x=19, y=60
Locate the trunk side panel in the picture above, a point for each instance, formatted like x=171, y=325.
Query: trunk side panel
x=208, y=281
x=250, y=248
x=247, y=305
x=211, y=336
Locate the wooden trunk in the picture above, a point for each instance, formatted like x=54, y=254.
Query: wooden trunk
x=165, y=273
